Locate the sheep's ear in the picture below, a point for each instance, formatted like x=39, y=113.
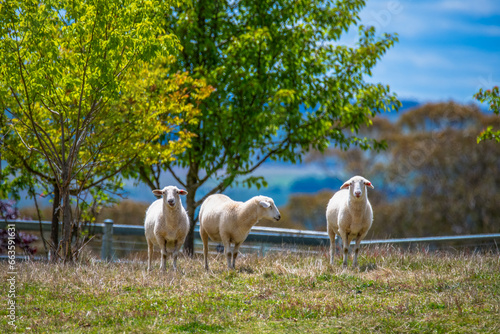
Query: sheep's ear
x=264, y=204
x=182, y=192
x=345, y=185
x=158, y=192
x=369, y=184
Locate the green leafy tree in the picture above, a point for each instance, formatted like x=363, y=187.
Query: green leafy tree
x=283, y=85
x=492, y=97
x=180, y=93
x=64, y=66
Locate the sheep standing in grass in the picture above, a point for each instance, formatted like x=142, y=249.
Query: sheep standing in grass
x=349, y=214
x=166, y=224
x=229, y=222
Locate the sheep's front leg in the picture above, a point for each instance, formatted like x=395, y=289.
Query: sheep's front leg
x=345, y=245
x=356, y=250
x=175, y=253
x=235, y=253
x=163, y=248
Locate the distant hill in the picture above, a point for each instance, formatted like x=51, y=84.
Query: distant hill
x=406, y=105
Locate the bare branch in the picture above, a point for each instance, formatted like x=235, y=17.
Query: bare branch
x=47, y=107
x=145, y=178
x=176, y=177
x=221, y=163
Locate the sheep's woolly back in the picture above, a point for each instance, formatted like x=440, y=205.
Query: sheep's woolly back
x=220, y=214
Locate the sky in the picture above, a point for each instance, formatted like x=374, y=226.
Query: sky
x=447, y=50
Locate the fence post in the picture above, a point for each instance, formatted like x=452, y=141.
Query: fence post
x=107, y=240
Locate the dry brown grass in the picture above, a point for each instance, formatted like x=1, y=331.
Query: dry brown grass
x=393, y=291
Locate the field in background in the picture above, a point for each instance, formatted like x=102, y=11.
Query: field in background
x=393, y=291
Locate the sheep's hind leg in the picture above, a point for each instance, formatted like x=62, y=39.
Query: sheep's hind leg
x=332, y=245
x=204, y=239
x=150, y=254
x=227, y=251
x=235, y=253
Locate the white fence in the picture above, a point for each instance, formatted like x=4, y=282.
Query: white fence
x=258, y=234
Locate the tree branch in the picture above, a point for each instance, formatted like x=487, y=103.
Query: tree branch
x=145, y=178
x=219, y=188
x=176, y=177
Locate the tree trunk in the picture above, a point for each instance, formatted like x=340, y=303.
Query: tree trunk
x=190, y=201
x=66, y=229
x=66, y=244
x=191, y=187
x=54, y=227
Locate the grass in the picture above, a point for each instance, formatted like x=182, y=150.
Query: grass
x=392, y=291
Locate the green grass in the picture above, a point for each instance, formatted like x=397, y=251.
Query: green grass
x=393, y=291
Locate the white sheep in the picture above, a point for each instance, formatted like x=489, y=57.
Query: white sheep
x=229, y=222
x=349, y=214
x=166, y=224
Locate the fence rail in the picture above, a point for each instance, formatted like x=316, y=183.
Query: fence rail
x=257, y=234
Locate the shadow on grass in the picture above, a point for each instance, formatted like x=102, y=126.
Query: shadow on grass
x=367, y=267
x=246, y=270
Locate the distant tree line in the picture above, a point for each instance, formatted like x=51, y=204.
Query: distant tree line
x=434, y=178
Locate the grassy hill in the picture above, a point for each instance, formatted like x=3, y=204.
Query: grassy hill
x=393, y=291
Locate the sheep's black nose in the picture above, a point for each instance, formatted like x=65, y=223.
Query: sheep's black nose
x=171, y=201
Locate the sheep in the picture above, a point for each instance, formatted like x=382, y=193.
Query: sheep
x=349, y=214
x=166, y=224
x=229, y=222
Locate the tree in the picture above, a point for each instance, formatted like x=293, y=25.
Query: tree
x=449, y=179
x=283, y=85
x=492, y=97
x=434, y=179
x=63, y=68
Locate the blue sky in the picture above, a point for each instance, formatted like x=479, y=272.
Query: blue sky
x=446, y=50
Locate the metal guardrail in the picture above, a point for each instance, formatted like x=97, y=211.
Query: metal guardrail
x=257, y=234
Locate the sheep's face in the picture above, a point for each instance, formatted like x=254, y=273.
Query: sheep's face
x=357, y=186
x=170, y=195
x=267, y=208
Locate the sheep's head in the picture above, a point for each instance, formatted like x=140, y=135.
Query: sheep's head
x=267, y=208
x=357, y=186
x=170, y=195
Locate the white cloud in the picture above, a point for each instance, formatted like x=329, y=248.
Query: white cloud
x=447, y=49
x=477, y=8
